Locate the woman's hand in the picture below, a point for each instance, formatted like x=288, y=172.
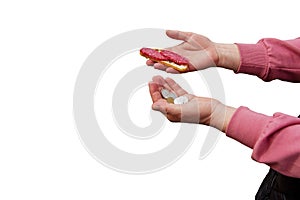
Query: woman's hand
x=200, y=110
x=201, y=52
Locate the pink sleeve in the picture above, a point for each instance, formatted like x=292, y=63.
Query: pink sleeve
x=275, y=140
x=271, y=59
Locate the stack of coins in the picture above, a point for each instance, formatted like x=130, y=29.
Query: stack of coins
x=171, y=97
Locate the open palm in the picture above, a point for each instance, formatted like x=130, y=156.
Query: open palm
x=198, y=49
x=196, y=110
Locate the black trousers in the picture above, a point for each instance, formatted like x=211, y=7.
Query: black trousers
x=276, y=186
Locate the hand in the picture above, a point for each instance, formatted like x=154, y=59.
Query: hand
x=201, y=52
x=200, y=110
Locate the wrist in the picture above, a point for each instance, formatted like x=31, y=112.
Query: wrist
x=221, y=116
x=228, y=56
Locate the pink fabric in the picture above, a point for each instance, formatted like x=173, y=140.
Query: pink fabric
x=271, y=59
x=275, y=140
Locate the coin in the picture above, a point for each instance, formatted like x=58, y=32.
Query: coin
x=169, y=96
x=181, y=100
x=170, y=100
x=173, y=95
x=165, y=93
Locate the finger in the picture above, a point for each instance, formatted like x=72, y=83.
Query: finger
x=150, y=62
x=154, y=91
x=160, y=66
x=191, y=67
x=161, y=81
x=158, y=80
x=160, y=106
x=176, y=48
x=178, y=35
x=166, y=108
x=175, y=87
x=172, y=71
x=171, y=111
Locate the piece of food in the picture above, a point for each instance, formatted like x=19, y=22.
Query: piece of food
x=166, y=57
x=174, y=57
x=153, y=54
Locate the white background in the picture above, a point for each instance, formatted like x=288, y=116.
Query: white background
x=42, y=47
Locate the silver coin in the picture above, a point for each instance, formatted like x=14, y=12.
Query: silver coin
x=181, y=100
x=165, y=93
x=172, y=95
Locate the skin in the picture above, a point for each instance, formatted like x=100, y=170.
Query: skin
x=202, y=53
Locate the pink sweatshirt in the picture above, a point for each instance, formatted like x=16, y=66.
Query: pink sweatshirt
x=275, y=140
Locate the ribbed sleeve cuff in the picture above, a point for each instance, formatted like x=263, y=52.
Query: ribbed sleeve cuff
x=246, y=126
x=254, y=60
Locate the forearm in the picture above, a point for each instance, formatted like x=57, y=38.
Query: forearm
x=269, y=59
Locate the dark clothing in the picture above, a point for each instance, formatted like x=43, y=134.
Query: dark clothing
x=276, y=186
